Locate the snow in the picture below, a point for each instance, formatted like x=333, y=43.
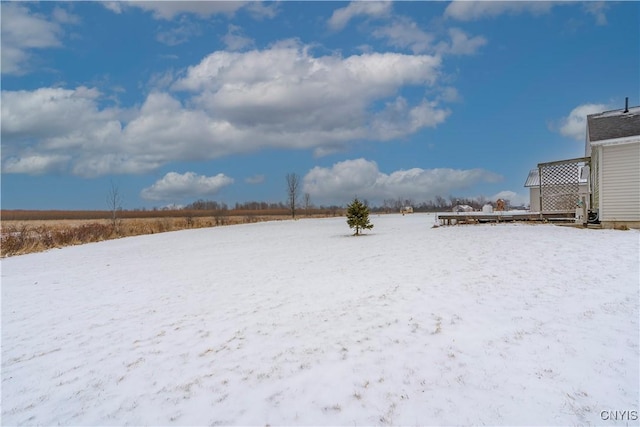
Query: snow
x=298, y=323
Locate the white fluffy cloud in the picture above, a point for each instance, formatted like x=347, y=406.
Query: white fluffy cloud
x=463, y=10
x=168, y=10
x=35, y=164
x=405, y=33
x=362, y=178
x=514, y=198
x=341, y=17
x=304, y=100
x=575, y=125
x=398, y=118
x=281, y=97
x=175, y=186
x=51, y=113
x=23, y=31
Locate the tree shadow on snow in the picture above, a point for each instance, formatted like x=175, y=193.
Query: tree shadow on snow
x=354, y=236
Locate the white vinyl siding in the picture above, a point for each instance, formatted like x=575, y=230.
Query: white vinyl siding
x=620, y=182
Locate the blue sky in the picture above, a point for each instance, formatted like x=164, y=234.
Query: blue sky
x=177, y=101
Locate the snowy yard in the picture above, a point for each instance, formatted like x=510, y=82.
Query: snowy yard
x=296, y=323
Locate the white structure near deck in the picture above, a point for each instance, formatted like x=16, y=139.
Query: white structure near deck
x=613, y=142
x=567, y=182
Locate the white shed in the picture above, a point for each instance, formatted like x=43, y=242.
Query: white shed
x=613, y=142
x=566, y=182
x=533, y=184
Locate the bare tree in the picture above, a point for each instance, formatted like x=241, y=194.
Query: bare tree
x=293, y=188
x=114, y=203
x=441, y=202
x=307, y=203
x=388, y=204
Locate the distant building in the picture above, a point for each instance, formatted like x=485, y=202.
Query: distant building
x=406, y=210
x=462, y=208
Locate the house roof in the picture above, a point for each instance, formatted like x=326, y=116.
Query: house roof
x=613, y=124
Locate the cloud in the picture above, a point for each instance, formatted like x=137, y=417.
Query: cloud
x=235, y=39
x=399, y=119
x=41, y=128
x=167, y=10
x=62, y=16
x=463, y=10
x=179, y=34
x=286, y=86
x=405, y=33
x=256, y=179
x=597, y=10
x=55, y=117
x=514, y=198
x=575, y=125
x=362, y=178
x=461, y=43
x=232, y=102
x=262, y=10
x=35, y=164
x=113, y=6
x=23, y=31
x=341, y=17
x=297, y=100
x=175, y=186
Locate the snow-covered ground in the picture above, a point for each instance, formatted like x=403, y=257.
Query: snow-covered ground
x=298, y=323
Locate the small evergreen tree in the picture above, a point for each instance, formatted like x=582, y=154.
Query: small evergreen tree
x=358, y=216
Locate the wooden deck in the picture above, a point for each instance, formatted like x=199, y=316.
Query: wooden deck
x=452, y=218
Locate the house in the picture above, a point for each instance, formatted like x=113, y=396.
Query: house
x=462, y=208
x=605, y=183
x=613, y=143
x=406, y=210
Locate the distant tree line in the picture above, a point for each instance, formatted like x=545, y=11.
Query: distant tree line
x=438, y=204
x=212, y=205
x=206, y=205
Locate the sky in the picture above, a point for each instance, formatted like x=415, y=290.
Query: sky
x=171, y=102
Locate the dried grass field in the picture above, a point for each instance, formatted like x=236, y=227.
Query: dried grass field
x=23, y=232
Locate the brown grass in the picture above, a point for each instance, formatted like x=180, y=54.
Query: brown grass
x=38, y=215
x=23, y=232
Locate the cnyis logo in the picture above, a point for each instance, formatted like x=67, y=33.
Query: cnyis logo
x=607, y=415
